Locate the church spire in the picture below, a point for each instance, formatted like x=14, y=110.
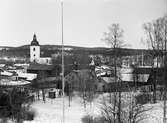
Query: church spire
x=34, y=37
x=34, y=42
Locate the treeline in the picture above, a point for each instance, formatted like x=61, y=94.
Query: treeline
x=48, y=50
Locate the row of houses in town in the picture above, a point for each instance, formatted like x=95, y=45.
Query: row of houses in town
x=49, y=75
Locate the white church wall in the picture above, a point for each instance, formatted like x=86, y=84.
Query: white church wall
x=45, y=60
x=34, y=53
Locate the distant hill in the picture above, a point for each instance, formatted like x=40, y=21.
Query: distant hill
x=5, y=47
x=47, y=50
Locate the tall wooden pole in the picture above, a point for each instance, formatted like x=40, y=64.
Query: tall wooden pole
x=164, y=115
x=62, y=37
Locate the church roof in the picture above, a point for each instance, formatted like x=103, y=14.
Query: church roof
x=34, y=42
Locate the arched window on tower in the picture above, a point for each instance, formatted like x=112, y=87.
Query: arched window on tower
x=33, y=49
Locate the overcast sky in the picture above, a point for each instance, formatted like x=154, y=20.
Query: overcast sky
x=84, y=20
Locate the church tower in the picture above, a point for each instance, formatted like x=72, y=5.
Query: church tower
x=34, y=50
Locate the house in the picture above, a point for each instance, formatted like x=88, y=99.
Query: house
x=43, y=70
x=4, y=74
x=104, y=70
x=126, y=78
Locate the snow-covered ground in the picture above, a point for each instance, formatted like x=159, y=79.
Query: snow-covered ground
x=155, y=115
x=51, y=111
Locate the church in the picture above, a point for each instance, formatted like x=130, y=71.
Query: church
x=35, y=53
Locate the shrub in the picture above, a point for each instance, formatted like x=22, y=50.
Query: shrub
x=29, y=115
x=13, y=105
x=143, y=98
x=90, y=119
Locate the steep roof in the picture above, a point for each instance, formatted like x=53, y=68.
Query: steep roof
x=34, y=42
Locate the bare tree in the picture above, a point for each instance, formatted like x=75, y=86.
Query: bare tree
x=114, y=39
x=87, y=85
x=132, y=111
x=155, y=42
x=107, y=111
x=83, y=81
x=137, y=113
x=41, y=76
x=156, y=35
x=114, y=36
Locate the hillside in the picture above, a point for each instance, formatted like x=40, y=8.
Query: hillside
x=47, y=50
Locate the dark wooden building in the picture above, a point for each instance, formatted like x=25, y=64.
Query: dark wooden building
x=43, y=70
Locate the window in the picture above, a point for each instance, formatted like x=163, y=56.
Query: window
x=33, y=49
x=34, y=55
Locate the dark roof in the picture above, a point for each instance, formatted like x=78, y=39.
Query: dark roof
x=159, y=75
x=40, y=67
x=34, y=42
x=49, y=79
x=140, y=70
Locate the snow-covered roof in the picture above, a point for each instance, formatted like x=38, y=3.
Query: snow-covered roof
x=8, y=82
x=103, y=67
x=126, y=70
x=92, y=62
x=103, y=70
x=21, y=64
x=5, y=73
x=100, y=74
x=126, y=75
x=108, y=79
x=2, y=65
x=28, y=76
x=129, y=77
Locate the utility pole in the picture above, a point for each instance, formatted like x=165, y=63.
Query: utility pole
x=142, y=58
x=164, y=115
x=62, y=37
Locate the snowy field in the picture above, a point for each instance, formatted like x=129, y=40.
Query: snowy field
x=51, y=111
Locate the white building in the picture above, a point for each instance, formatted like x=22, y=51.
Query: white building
x=35, y=53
